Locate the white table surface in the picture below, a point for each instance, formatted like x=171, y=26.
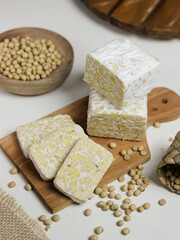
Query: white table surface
x=87, y=32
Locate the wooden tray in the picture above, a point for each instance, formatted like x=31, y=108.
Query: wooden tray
x=163, y=105
x=156, y=18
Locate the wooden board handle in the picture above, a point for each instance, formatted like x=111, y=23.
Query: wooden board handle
x=163, y=105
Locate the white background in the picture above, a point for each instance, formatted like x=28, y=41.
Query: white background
x=87, y=32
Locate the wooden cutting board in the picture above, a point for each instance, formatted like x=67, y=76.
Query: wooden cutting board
x=163, y=106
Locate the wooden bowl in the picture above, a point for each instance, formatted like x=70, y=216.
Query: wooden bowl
x=49, y=83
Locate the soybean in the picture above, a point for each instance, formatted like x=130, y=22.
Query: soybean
x=13, y=171
x=28, y=187
x=162, y=202
x=111, y=188
x=103, y=195
x=117, y=213
x=88, y=212
x=11, y=184
x=100, y=204
x=121, y=179
x=120, y=223
x=105, y=208
x=146, y=206
x=93, y=237
x=127, y=200
x=99, y=230
x=126, y=231
x=55, y=218
x=127, y=218
x=42, y=218
x=47, y=222
x=98, y=191
x=112, y=145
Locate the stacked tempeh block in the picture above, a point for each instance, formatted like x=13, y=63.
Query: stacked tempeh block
x=121, y=75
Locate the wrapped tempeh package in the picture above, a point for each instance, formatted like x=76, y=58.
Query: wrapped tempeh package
x=169, y=167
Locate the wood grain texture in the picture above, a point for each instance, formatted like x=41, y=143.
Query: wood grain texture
x=164, y=22
x=156, y=18
x=163, y=105
x=49, y=83
x=101, y=7
x=132, y=14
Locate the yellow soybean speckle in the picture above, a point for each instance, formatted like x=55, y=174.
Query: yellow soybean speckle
x=76, y=172
x=52, y=144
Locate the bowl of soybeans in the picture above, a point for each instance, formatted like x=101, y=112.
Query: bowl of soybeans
x=33, y=61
